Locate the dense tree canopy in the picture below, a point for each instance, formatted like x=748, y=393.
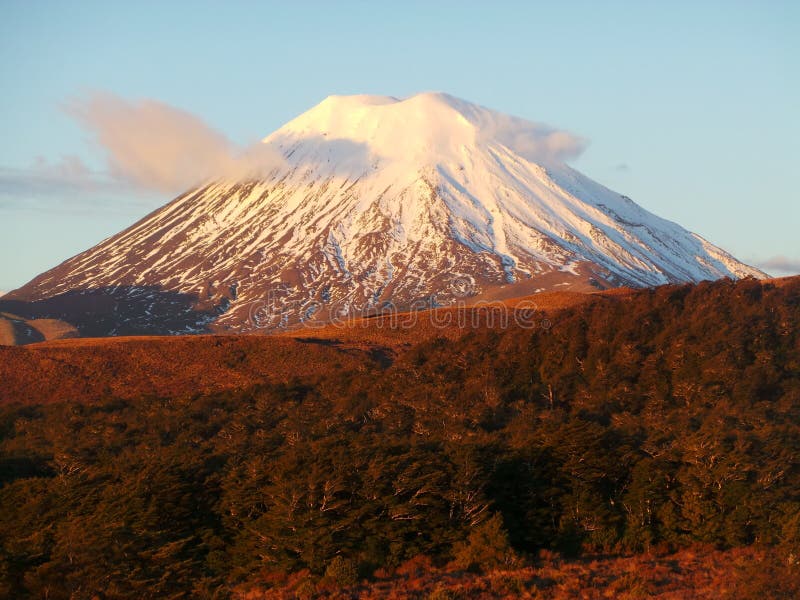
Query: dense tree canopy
x=669, y=417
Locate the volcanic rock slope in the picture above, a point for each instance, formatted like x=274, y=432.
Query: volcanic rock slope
x=377, y=201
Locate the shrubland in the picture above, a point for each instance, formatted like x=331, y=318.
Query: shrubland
x=655, y=423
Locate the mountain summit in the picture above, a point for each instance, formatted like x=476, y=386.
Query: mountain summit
x=377, y=200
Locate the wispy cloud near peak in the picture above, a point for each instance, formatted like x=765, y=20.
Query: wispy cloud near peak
x=157, y=146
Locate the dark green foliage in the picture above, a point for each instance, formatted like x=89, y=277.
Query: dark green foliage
x=671, y=417
x=486, y=548
x=342, y=571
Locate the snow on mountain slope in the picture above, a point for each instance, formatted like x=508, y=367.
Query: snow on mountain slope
x=413, y=202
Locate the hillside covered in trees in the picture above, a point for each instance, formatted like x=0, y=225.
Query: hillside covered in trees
x=652, y=421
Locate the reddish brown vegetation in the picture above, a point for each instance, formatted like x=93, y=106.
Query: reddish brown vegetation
x=261, y=466
x=697, y=573
x=86, y=369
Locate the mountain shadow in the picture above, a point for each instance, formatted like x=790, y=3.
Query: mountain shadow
x=121, y=310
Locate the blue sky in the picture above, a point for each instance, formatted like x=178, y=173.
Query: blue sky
x=691, y=108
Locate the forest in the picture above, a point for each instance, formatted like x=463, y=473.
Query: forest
x=664, y=419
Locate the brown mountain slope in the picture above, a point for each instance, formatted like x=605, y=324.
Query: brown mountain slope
x=127, y=367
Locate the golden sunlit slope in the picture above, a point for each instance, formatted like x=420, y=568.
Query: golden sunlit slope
x=90, y=368
x=17, y=331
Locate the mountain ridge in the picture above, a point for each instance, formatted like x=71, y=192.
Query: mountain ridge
x=379, y=203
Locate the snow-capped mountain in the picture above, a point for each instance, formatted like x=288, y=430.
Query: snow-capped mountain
x=379, y=200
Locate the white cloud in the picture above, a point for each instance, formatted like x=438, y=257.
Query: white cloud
x=149, y=147
x=533, y=141
x=157, y=146
x=781, y=265
x=43, y=176
x=68, y=186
